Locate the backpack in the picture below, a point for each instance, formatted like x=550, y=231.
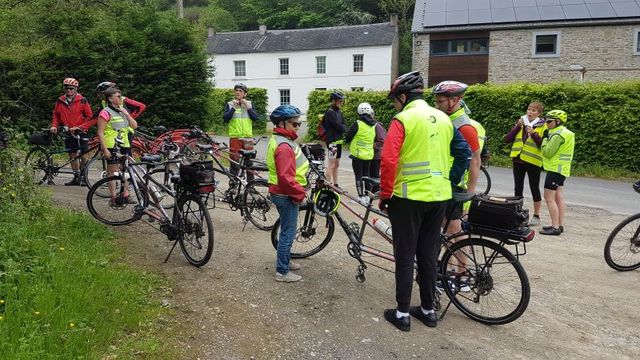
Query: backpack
x=321, y=131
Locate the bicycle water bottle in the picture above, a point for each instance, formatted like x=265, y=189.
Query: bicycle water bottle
x=382, y=226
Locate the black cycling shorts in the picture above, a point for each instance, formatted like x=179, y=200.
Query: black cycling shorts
x=334, y=151
x=72, y=144
x=454, y=210
x=553, y=180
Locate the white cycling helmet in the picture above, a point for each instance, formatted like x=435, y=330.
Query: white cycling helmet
x=365, y=108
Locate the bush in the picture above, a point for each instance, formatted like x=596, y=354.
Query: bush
x=217, y=99
x=605, y=117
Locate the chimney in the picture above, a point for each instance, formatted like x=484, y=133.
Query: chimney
x=210, y=32
x=393, y=20
x=262, y=30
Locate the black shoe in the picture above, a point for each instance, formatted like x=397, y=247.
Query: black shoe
x=551, y=231
x=403, y=323
x=551, y=227
x=74, y=182
x=430, y=320
x=83, y=181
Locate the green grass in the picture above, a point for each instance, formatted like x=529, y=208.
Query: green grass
x=65, y=292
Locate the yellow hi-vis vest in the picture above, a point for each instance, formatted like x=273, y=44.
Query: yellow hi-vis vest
x=423, y=167
x=362, y=144
x=104, y=106
x=116, y=123
x=240, y=124
x=529, y=151
x=302, y=164
x=560, y=162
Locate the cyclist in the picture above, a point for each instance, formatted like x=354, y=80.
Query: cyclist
x=361, y=137
x=415, y=185
x=557, y=154
x=73, y=111
x=448, y=98
x=240, y=114
x=335, y=127
x=288, y=169
x=113, y=121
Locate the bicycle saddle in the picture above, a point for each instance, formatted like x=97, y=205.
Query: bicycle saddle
x=250, y=154
x=204, y=147
x=151, y=158
x=463, y=197
x=370, y=180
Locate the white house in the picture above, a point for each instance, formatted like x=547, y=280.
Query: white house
x=292, y=63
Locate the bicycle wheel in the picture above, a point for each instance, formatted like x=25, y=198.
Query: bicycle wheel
x=485, y=281
x=313, y=234
x=102, y=208
x=484, y=181
x=258, y=207
x=159, y=175
x=94, y=170
x=195, y=230
x=38, y=162
x=622, y=250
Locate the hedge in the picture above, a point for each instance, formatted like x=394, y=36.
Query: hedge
x=218, y=97
x=605, y=117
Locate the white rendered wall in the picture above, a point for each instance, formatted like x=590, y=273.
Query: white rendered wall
x=263, y=71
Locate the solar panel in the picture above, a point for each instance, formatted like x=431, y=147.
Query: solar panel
x=601, y=10
x=479, y=5
x=453, y=5
x=578, y=11
x=457, y=17
x=527, y=13
x=481, y=16
x=627, y=8
x=503, y=15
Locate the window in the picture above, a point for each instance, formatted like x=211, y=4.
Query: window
x=546, y=44
x=321, y=64
x=240, y=68
x=358, y=63
x=636, y=42
x=460, y=47
x=284, y=66
x=357, y=88
x=285, y=96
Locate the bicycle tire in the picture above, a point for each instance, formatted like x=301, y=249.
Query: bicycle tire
x=191, y=223
x=304, y=245
x=627, y=242
x=94, y=170
x=38, y=160
x=101, y=209
x=482, y=280
x=166, y=201
x=258, y=208
x=484, y=186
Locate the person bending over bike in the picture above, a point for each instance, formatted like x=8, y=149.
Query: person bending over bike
x=113, y=121
x=415, y=185
x=288, y=169
x=73, y=111
x=240, y=115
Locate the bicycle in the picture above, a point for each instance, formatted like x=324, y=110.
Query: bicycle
x=484, y=179
x=622, y=249
x=486, y=264
x=190, y=224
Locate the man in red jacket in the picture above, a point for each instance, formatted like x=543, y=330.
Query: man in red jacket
x=73, y=111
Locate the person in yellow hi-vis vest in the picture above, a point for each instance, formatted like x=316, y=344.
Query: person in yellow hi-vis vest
x=526, y=141
x=240, y=115
x=361, y=137
x=557, y=151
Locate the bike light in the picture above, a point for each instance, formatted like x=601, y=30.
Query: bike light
x=530, y=236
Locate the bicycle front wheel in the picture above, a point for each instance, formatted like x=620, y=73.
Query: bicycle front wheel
x=106, y=210
x=313, y=234
x=485, y=281
x=195, y=230
x=484, y=181
x=38, y=162
x=622, y=250
x=258, y=208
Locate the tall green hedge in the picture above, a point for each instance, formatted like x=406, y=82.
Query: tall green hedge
x=605, y=117
x=217, y=99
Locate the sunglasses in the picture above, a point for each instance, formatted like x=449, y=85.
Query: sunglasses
x=550, y=121
x=69, y=87
x=295, y=124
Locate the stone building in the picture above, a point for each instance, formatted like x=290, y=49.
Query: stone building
x=503, y=41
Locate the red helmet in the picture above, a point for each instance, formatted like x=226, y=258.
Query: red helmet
x=450, y=88
x=70, y=82
x=411, y=82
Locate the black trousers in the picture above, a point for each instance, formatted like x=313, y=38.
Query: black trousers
x=374, y=172
x=360, y=168
x=416, y=235
x=520, y=169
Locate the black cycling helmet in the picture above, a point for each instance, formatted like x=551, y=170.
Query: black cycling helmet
x=240, y=86
x=326, y=202
x=284, y=112
x=336, y=96
x=104, y=86
x=411, y=82
x=636, y=186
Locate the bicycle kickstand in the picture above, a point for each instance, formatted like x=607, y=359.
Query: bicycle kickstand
x=170, y=251
x=444, y=312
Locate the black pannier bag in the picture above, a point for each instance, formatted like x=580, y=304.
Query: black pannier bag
x=43, y=139
x=197, y=175
x=500, y=217
x=314, y=151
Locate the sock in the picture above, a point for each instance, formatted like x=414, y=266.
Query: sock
x=536, y=216
x=401, y=314
x=426, y=312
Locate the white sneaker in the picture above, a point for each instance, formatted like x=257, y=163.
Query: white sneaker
x=294, y=266
x=535, y=221
x=288, y=277
x=364, y=199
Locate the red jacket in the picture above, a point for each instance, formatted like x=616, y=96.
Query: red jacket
x=285, y=160
x=77, y=113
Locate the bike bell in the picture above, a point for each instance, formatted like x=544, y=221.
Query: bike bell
x=326, y=202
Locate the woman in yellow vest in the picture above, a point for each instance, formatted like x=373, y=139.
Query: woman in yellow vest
x=526, y=140
x=115, y=121
x=361, y=137
x=288, y=169
x=557, y=152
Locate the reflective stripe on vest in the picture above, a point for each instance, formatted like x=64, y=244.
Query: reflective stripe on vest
x=116, y=123
x=362, y=142
x=560, y=162
x=240, y=124
x=302, y=164
x=529, y=151
x=423, y=167
x=104, y=106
